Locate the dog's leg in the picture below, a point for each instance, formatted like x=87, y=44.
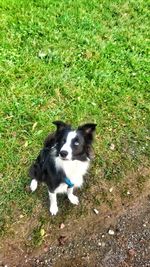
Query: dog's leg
x=33, y=185
x=53, y=203
x=73, y=199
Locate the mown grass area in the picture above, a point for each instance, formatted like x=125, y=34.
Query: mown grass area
x=76, y=61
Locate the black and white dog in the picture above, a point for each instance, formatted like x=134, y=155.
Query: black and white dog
x=63, y=161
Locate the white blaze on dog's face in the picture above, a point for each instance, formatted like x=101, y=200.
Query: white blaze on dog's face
x=66, y=150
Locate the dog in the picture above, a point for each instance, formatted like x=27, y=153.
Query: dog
x=63, y=161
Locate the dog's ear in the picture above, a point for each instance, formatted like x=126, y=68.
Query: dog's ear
x=88, y=131
x=60, y=125
x=88, y=128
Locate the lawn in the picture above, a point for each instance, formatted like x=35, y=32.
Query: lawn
x=78, y=61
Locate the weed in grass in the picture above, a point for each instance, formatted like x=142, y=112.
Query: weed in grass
x=37, y=236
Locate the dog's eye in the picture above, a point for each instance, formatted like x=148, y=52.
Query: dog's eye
x=76, y=143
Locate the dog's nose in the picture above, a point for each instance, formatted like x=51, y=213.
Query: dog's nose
x=63, y=154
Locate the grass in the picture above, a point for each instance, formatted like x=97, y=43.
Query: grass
x=76, y=61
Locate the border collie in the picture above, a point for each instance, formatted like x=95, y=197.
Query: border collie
x=63, y=161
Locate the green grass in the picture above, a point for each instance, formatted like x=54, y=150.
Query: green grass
x=76, y=61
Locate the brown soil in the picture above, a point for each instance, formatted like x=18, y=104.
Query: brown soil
x=86, y=241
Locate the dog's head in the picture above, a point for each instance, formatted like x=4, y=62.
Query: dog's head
x=74, y=144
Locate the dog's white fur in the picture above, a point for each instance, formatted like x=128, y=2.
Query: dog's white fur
x=67, y=145
x=74, y=169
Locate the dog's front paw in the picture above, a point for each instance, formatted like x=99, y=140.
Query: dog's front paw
x=73, y=199
x=53, y=209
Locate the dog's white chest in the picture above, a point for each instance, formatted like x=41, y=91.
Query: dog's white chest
x=74, y=170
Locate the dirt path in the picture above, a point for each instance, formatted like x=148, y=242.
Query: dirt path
x=92, y=244
x=129, y=246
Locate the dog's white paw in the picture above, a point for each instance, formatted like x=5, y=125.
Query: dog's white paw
x=33, y=185
x=73, y=199
x=53, y=209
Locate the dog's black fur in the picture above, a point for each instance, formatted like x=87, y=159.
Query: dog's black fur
x=45, y=169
